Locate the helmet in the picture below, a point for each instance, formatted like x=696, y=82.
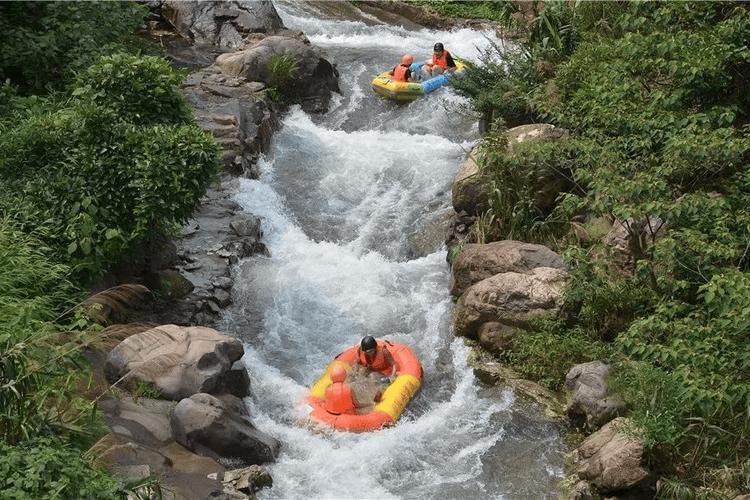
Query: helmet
x=368, y=343
x=338, y=374
x=438, y=47
x=407, y=59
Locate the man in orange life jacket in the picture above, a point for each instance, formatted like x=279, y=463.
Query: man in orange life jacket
x=402, y=73
x=374, y=356
x=340, y=398
x=441, y=61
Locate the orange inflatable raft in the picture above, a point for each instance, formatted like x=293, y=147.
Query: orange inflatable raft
x=392, y=402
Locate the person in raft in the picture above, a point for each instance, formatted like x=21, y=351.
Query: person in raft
x=374, y=356
x=402, y=73
x=340, y=399
x=441, y=62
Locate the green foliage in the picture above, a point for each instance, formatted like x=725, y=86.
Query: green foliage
x=654, y=96
x=114, y=172
x=547, y=353
x=46, y=468
x=495, y=11
x=281, y=71
x=142, y=90
x=45, y=42
x=146, y=390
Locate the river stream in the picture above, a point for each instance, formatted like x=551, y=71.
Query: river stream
x=353, y=205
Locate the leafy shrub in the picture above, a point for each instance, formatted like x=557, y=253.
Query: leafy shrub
x=142, y=90
x=547, y=353
x=46, y=467
x=654, y=96
x=111, y=175
x=45, y=42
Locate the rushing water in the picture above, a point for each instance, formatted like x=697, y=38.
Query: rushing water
x=350, y=203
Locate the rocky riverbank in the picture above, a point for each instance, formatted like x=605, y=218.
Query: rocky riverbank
x=173, y=393
x=501, y=288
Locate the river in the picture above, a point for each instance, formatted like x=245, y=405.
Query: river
x=352, y=203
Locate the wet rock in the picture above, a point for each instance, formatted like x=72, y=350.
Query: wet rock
x=221, y=428
x=581, y=491
x=314, y=80
x=223, y=282
x=221, y=23
x=237, y=382
x=247, y=480
x=169, y=283
x=512, y=299
x=221, y=297
x=477, y=262
x=247, y=226
x=244, y=247
x=177, y=361
x=144, y=419
x=469, y=191
x=497, y=337
x=185, y=461
x=610, y=459
x=590, y=404
x=491, y=372
x=459, y=232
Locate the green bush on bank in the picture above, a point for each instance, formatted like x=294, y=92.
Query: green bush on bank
x=98, y=152
x=654, y=96
x=106, y=169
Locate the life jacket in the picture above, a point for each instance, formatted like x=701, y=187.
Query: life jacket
x=441, y=61
x=399, y=73
x=379, y=363
x=339, y=399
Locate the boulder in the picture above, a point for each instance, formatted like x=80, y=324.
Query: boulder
x=534, y=131
x=610, y=459
x=248, y=225
x=248, y=479
x=221, y=23
x=512, y=299
x=469, y=191
x=169, y=283
x=631, y=237
x=313, y=81
x=496, y=337
x=590, y=403
x=476, y=262
x=178, y=361
x=221, y=428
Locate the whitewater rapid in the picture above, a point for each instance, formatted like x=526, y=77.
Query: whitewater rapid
x=350, y=203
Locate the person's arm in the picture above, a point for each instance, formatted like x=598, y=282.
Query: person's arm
x=449, y=60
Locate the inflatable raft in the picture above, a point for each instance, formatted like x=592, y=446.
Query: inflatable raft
x=392, y=402
x=385, y=86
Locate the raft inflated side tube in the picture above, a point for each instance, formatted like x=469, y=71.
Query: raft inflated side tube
x=392, y=403
x=384, y=84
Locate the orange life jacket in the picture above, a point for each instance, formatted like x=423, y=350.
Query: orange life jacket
x=339, y=399
x=399, y=73
x=379, y=363
x=441, y=61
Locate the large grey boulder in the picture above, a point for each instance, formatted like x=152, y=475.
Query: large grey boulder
x=511, y=299
x=534, y=132
x=476, y=262
x=611, y=458
x=590, y=402
x=221, y=428
x=221, y=23
x=177, y=361
x=313, y=80
x=469, y=191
